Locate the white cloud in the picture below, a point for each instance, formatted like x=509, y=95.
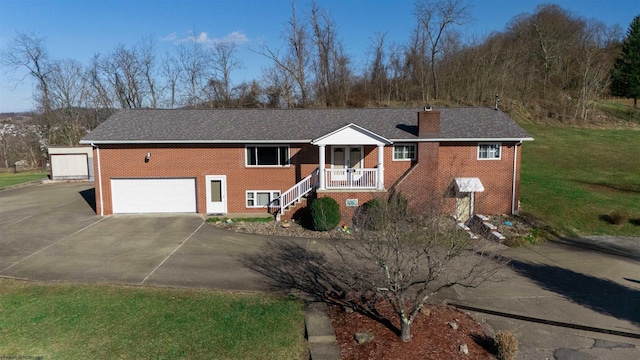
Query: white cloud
x=170, y=37
x=203, y=38
x=235, y=37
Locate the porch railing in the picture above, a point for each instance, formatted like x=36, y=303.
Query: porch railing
x=351, y=178
x=299, y=190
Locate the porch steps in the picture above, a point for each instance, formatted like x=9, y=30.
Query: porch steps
x=287, y=212
x=468, y=230
x=480, y=223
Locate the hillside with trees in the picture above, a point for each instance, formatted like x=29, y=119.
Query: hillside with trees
x=549, y=65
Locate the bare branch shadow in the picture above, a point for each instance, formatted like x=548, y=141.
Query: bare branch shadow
x=601, y=295
x=293, y=268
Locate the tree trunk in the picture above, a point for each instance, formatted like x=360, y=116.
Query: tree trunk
x=405, y=330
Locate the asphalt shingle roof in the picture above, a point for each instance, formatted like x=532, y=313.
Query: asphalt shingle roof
x=296, y=125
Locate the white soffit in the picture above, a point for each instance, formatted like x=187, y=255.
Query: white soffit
x=351, y=134
x=470, y=184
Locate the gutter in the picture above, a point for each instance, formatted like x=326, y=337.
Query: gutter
x=99, y=178
x=513, y=184
x=303, y=141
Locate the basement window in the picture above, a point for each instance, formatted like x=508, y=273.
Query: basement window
x=489, y=151
x=267, y=155
x=262, y=198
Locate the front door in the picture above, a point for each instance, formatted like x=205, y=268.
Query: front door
x=347, y=158
x=216, y=194
x=463, y=207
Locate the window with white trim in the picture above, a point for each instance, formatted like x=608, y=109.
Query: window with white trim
x=262, y=198
x=267, y=155
x=404, y=152
x=489, y=151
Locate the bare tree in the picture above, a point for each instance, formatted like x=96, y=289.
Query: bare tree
x=100, y=95
x=289, y=75
x=436, y=18
x=195, y=70
x=69, y=95
x=391, y=256
x=594, y=65
x=377, y=70
x=28, y=51
x=331, y=64
x=170, y=70
x=223, y=62
x=146, y=55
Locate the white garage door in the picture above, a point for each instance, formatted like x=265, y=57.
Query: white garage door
x=153, y=195
x=69, y=166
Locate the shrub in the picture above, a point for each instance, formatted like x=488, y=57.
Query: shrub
x=370, y=215
x=507, y=345
x=398, y=204
x=376, y=214
x=325, y=213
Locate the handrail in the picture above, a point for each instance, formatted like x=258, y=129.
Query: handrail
x=298, y=190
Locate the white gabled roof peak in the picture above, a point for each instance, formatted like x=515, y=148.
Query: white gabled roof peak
x=351, y=134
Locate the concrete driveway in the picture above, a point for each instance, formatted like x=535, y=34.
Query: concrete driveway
x=50, y=232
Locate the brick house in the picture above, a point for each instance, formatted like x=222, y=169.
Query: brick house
x=464, y=160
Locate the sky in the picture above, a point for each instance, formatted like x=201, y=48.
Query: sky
x=78, y=29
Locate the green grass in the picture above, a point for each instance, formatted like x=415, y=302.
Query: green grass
x=574, y=179
x=65, y=321
x=10, y=179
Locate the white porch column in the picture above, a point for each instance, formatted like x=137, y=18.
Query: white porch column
x=381, y=166
x=321, y=156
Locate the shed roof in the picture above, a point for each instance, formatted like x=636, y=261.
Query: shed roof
x=296, y=125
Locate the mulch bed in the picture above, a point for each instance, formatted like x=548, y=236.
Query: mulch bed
x=433, y=337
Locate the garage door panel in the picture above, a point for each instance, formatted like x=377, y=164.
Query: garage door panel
x=153, y=195
x=69, y=166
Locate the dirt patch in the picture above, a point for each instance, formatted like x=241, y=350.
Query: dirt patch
x=433, y=337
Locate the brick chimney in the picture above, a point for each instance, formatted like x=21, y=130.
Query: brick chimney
x=428, y=121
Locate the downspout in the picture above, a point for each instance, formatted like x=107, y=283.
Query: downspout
x=513, y=184
x=99, y=179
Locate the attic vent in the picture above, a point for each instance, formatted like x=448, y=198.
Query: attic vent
x=427, y=108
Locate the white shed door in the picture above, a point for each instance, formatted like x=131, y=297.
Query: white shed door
x=153, y=195
x=69, y=166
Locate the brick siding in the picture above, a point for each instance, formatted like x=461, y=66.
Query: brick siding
x=424, y=182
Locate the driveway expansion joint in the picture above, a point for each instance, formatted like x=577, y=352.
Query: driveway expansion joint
x=173, y=252
x=545, y=321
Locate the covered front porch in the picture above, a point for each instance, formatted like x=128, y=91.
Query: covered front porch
x=346, y=169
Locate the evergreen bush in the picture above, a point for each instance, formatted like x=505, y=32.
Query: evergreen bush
x=325, y=213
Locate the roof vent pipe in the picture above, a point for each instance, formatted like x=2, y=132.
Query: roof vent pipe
x=497, y=101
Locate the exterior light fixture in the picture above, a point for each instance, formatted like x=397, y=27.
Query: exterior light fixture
x=147, y=157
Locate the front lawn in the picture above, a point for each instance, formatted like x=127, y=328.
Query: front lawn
x=575, y=179
x=66, y=321
x=10, y=179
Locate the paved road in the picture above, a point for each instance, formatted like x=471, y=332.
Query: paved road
x=51, y=233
